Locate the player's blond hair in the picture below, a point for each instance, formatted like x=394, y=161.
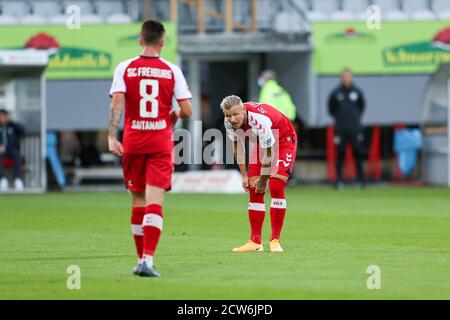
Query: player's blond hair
x=230, y=101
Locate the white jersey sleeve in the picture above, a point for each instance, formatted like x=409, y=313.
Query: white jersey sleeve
x=262, y=127
x=118, y=84
x=181, y=90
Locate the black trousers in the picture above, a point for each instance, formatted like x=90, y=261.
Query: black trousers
x=14, y=154
x=356, y=138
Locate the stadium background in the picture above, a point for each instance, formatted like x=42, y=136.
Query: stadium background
x=222, y=46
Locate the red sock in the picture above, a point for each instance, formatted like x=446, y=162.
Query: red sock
x=256, y=214
x=137, y=216
x=278, y=206
x=152, y=225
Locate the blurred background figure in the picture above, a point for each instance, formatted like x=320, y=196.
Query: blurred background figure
x=346, y=105
x=10, y=135
x=272, y=93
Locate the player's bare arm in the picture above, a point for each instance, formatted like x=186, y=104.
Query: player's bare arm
x=185, y=111
x=239, y=155
x=261, y=183
x=115, y=113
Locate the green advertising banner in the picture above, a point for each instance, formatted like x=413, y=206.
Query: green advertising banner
x=91, y=52
x=398, y=48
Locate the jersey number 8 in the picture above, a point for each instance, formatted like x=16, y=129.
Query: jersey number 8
x=146, y=98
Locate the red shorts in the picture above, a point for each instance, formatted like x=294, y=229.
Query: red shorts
x=285, y=154
x=153, y=170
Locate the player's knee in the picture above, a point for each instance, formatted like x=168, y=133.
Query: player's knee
x=277, y=188
x=138, y=199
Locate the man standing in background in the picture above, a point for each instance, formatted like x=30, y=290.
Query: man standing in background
x=275, y=95
x=346, y=105
x=10, y=135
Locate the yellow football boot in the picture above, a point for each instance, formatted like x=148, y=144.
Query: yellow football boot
x=250, y=246
x=275, y=246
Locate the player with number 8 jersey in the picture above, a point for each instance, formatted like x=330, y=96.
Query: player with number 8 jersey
x=147, y=86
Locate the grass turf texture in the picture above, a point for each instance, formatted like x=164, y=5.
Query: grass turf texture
x=330, y=238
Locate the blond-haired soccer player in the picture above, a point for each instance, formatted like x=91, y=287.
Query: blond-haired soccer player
x=271, y=163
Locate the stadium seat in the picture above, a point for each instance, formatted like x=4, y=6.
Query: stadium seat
x=91, y=19
x=8, y=20
x=288, y=22
x=118, y=18
x=387, y=5
x=441, y=8
x=343, y=16
x=241, y=11
x=161, y=10
x=418, y=10
x=302, y=4
x=58, y=19
x=444, y=15
x=325, y=6
x=411, y=6
x=317, y=16
x=85, y=6
x=133, y=9
x=440, y=5
x=33, y=19
x=17, y=9
x=109, y=7
x=395, y=16
x=46, y=8
x=264, y=14
x=390, y=10
x=423, y=15
x=322, y=9
x=357, y=7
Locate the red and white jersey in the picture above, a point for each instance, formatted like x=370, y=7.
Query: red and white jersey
x=150, y=84
x=266, y=123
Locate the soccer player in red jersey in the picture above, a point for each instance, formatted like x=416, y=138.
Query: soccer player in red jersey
x=146, y=86
x=271, y=162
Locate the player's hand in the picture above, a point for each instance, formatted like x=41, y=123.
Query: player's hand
x=2, y=149
x=115, y=147
x=260, y=185
x=245, y=182
x=174, y=116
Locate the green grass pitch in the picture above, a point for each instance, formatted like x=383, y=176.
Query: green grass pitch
x=330, y=238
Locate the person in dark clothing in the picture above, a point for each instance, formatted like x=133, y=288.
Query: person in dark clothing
x=10, y=135
x=346, y=105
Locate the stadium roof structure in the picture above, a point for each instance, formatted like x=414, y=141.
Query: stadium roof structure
x=242, y=43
